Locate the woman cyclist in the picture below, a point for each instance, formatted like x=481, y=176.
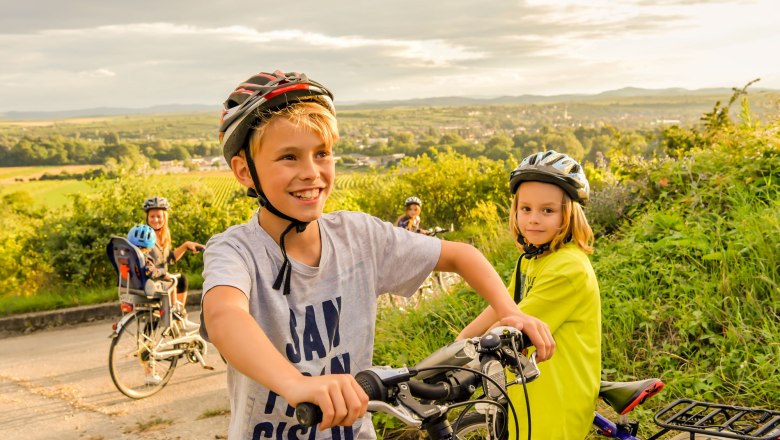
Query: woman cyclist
x=163, y=253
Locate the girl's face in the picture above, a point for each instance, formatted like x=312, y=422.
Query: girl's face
x=413, y=210
x=156, y=218
x=296, y=169
x=539, y=211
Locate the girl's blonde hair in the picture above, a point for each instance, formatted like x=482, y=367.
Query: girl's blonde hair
x=309, y=115
x=574, y=228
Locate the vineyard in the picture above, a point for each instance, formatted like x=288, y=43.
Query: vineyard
x=221, y=184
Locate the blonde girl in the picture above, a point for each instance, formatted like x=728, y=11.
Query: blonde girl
x=554, y=282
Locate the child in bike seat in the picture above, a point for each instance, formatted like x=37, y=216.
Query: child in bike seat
x=555, y=282
x=290, y=296
x=411, y=219
x=144, y=238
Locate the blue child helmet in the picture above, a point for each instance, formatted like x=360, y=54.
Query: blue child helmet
x=142, y=236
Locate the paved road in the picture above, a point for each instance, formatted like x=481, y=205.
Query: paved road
x=55, y=384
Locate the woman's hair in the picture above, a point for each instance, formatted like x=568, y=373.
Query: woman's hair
x=574, y=228
x=309, y=115
x=165, y=241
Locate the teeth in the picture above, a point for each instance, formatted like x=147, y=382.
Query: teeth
x=308, y=194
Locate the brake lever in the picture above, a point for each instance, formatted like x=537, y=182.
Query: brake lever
x=424, y=411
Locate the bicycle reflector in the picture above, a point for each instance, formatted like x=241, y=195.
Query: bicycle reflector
x=126, y=308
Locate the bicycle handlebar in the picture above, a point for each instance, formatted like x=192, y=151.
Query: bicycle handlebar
x=394, y=392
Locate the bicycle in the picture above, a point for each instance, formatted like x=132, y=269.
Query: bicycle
x=423, y=397
x=151, y=336
x=693, y=419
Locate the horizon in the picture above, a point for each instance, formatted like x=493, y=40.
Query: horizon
x=88, y=54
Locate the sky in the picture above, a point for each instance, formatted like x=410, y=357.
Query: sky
x=76, y=54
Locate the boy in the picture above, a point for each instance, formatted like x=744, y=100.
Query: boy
x=290, y=296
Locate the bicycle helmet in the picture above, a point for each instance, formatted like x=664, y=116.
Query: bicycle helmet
x=250, y=103
x=156, y=202
x=556, y=168
x=413, y=201
x=142, y=236
x=255, y=98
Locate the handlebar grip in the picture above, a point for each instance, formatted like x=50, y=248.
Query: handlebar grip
x=308, y=414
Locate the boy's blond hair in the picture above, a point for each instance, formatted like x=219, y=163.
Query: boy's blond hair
x=574, y=228
x=308, y=115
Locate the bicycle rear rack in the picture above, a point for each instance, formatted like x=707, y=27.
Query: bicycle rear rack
x=718, y=420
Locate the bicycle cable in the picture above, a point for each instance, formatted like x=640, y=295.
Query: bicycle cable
x=484, y=376
x=525, y=389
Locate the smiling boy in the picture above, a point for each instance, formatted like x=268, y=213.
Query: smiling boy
x=291, y=295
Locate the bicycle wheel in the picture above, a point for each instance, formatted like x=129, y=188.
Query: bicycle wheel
x=130, y=360
x=477, y=426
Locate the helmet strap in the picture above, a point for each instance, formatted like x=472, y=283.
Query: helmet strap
x=286, y=270
x=531, y=251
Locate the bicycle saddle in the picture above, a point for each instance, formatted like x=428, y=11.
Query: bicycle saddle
x=624, y=396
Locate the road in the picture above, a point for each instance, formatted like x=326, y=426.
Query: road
x=55, y=384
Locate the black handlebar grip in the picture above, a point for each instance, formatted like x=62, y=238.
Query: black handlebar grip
x=308, y=414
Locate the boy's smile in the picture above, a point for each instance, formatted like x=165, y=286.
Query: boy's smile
x=296, y=169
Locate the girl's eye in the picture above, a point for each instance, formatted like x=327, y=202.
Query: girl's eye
x=525, y=209
x=287, y=157
x=548, y=211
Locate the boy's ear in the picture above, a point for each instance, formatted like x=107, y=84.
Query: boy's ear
x=241, y=171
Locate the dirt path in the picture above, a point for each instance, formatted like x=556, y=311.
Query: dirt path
x=55, y=385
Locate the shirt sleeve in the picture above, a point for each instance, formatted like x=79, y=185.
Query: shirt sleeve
x=403, y=258
x=223, y=265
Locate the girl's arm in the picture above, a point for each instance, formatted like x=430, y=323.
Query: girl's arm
x=246, y=347
x=476, y=270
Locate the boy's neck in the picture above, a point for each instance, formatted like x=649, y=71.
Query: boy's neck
x=305, y=246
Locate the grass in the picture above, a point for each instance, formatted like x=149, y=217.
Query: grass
x=214, y=413
x=151, y=424
x=68, y=296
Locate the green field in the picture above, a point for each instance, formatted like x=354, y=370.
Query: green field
x=56, y=193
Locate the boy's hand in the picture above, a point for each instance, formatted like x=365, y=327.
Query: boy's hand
x=339, y=396
x=537, y=331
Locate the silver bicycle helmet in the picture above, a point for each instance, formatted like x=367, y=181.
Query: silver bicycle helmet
x=413, y=201
x=556, y=168
x=156, y=202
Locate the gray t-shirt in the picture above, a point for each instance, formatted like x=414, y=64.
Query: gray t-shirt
x=326, y=324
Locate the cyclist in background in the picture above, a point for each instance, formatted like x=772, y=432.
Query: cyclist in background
x=555, y=282
x=411, y=219
x=290, y=296
x=163, y=253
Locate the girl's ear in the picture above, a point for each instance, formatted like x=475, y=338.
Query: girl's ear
x=241, y=171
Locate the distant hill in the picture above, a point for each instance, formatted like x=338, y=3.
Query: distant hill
x=626, y=92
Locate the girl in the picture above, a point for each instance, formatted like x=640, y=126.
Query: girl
x=554, y=281
x=290, y=296
x=411, y=219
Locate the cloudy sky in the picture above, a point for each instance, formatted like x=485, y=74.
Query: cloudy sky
x=75, y=54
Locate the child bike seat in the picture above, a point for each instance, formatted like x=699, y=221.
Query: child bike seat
x=624, y=396
x=129, y=261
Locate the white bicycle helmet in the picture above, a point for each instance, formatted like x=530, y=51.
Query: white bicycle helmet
x=556, y=168
x=413, y=201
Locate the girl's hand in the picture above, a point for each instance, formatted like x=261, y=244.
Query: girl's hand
x=537, y=331
x=339, y=396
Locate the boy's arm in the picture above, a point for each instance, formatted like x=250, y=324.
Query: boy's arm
x=470, y=264
x=247, y=348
